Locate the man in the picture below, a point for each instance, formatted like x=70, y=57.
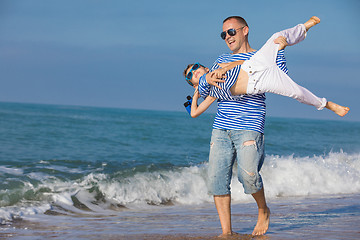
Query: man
x=237, y=132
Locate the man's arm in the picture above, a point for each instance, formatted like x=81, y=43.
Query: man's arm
x=206, y=81
x=224, y=67
x=281, y=61
x=280, y=58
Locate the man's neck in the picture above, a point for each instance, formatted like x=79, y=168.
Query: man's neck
x=244, y=49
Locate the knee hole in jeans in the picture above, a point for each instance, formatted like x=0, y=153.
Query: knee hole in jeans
x=249, y=143
x=251, y=174
x=246, y=144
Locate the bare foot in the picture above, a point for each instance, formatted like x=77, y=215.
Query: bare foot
x=228, y=235
x=336, y=108
x=311, y=22
x=262, y=224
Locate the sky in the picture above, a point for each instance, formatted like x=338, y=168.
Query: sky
x=131, y=54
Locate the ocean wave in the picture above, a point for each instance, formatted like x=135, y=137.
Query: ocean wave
x=334, y=173
x=12, y=171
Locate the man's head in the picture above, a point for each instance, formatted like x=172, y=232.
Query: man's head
x=193, y=72
x=235, y=33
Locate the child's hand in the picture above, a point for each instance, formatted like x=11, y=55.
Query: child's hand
x=281, y=41
x=196, y=92
x=212, y=80
x=219, y=73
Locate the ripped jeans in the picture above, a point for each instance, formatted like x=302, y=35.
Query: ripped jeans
x=247, y=148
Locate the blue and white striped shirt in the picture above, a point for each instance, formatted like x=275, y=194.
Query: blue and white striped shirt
x=245, y=112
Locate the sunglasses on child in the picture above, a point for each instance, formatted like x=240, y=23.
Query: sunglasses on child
x=190, y=73
x=231, y=32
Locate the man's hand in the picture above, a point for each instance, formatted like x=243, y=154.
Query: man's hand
x=281, y=41
x=212, y=80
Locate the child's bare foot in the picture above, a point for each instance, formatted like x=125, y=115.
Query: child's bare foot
x=262, y=224
x=311, y=22
x=336, y=108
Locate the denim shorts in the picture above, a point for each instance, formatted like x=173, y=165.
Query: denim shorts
x=230, y=146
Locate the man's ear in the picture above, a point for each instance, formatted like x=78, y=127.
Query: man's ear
x=246, y=30
x=207, y=70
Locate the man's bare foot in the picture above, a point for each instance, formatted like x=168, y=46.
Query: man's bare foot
x=262, y=224
x=311, y=22
x=336, y=108
x=228, y=235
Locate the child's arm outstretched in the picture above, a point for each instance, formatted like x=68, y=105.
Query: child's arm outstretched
x=198, y=110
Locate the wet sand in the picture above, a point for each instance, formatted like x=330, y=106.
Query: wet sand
x=332, y=217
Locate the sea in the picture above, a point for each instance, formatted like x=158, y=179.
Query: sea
x=73, y=172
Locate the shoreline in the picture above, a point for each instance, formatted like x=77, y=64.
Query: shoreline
x=322, y=217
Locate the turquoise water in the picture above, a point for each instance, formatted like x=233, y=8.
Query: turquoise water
x=60, y=159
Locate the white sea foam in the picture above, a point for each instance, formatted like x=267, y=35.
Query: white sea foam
x=335, y=173
x=12, y=171
x=10, y=213
x=187, y=186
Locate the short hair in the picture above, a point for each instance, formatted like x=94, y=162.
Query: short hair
x=241, y=20
x=188, y=66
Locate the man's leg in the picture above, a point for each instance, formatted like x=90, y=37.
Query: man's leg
x=223, y=206
x=250, y=149
x=262, y=224
x=221, y=160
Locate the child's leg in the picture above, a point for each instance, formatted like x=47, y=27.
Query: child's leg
x=338, y=109
x=263, y=59
x=274, y=80
x=311, y=22
x=266, y=56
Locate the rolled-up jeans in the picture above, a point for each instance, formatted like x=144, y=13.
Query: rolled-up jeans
x=244, y=147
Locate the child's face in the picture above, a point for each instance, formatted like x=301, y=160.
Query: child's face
x=197, y=74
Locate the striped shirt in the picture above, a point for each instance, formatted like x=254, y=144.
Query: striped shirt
x=245, y=112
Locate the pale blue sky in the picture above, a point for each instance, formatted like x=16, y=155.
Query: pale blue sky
x=131, y=54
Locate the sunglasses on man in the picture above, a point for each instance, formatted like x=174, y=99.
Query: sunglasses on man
x=231, y=32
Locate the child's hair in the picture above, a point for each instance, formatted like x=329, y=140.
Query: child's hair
x=188, y=66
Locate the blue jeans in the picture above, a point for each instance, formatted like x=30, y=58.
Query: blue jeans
x=247, y=147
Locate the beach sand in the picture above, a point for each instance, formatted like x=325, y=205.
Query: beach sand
x=323, y=217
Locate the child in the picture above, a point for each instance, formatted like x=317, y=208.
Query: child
x=260, y=74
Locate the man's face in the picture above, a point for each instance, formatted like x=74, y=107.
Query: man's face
x=237, y=41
